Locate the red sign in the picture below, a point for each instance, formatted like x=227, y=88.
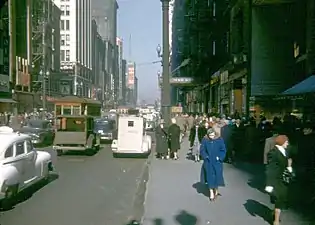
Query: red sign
x=131, y=74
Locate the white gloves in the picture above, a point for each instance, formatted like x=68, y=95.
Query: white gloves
x=269, y=189
x=217, y=158
x=290, y=169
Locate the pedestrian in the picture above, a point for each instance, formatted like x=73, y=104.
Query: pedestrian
x=278, y=172
x=196, y=135
x=161, y=141
x=174, y=133
x=226, y=134
x=213, y=151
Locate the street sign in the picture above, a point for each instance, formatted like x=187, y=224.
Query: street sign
x=181, y=80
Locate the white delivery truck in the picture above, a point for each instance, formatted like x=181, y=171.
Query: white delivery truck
x=131, y=138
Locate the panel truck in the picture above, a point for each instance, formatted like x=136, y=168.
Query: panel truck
x=131, y=138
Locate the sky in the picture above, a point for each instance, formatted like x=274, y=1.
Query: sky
x=142, y=19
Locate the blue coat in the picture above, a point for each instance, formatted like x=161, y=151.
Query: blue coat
x=212, y=168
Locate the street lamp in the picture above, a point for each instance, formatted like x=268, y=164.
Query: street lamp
x=166, y=87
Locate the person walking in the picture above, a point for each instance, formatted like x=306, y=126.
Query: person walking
x=213, y=151
x=174, y=133
x=161, y=140
x=278, y=172
x=196, y=135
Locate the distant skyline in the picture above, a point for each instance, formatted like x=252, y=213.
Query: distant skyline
x=142, y=20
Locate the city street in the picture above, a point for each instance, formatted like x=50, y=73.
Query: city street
x=90, y=190
x=176, y=197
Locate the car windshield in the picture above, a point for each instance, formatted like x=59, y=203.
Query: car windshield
x=104, y=125
x=35, y=124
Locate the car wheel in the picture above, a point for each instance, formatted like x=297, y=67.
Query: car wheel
x=9, y=201
x=59, y=152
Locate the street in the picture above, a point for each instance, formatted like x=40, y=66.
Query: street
x=90, y=190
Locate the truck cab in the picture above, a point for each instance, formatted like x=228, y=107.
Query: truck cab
x=132, y=137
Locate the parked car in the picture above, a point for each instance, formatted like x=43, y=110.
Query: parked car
x=40, y=131
x=20, y=165
x=106, y=129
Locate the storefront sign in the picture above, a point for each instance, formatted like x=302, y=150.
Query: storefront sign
x=181, y=80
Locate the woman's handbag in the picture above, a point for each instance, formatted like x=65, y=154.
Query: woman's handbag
x=287, y=176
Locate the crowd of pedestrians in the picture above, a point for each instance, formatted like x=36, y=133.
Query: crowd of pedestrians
x=281, y=144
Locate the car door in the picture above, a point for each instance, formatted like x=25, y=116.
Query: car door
x=30, y=159
x=20, y=161
x=17, y=162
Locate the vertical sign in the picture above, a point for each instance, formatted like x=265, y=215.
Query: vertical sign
x=131, y=75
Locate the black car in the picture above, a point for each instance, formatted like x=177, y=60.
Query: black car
x=41, y=131
x=106, y=128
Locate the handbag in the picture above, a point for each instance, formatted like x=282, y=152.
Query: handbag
x=287, y=176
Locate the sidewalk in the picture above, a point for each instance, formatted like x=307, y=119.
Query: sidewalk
x=174, y=197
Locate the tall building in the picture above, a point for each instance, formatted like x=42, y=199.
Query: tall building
x=105, y=14
x=76, y=44
x=131, y=84
x=119, y=44
x=135, y=91
x=123, y=81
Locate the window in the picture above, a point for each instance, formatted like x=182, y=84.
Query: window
x=66, y=110
x=9, y=152
x=67, y=10
x=68, y=39
x=67, y=24
x=62, y=9
x=62, y=40
x=213, y=47
x=29, y=146
x=67, y=55
x=62, y=55
x=214, y=9
x=58, y=110
x=130, y=123
x=296, y=48
x=76, y=110
x=19, y=148
x=62, y=24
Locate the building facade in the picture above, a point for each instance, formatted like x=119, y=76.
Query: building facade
x=123, y=81
x=76, y=44
x=119, y=44
x=105, y=14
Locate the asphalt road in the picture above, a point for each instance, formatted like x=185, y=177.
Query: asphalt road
x=90, y=190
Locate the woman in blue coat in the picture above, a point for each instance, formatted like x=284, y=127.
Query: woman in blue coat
x=213, y=152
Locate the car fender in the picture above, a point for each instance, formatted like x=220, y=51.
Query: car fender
x=149, y=140
x=145, y=146
x=42, y=159
x=9, y=175
x=114, y=144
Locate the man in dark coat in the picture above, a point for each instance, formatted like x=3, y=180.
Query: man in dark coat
x=174, y=133
x=161, y=141
x=226, y=134
x=237, y=138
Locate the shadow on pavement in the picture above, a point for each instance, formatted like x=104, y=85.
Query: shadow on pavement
x=201, y=189
x=255, y=208
x=185, y=218
x=28, y=193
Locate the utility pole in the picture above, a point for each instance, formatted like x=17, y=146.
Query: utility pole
x=12, y=36
x=166, y=87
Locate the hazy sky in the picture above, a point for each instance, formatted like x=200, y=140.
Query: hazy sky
x=142, y=20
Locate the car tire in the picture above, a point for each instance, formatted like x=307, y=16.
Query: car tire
x=9, y=201
x=59, y=152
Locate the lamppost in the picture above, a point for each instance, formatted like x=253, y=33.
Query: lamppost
x=166, y=87
x=44, y=76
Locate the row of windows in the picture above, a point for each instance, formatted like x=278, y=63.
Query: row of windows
x=64, y=55
x=65, y=10
x=20, y=148
x=65, y=39
x=65, y=24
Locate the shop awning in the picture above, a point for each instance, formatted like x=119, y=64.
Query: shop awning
x=7, y=100
x=304, y=87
